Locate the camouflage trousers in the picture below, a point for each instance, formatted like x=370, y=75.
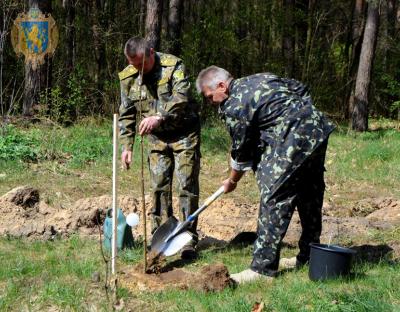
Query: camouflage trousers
x=304, y=190
x=182, y=157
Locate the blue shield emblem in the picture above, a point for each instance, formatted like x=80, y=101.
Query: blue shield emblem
x=35, y=36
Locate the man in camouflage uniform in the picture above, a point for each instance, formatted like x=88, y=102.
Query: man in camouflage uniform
x=171, y=121
x=278, y=133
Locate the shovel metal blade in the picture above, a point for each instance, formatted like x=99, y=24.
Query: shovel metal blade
x=177, y=243
x=158, y=241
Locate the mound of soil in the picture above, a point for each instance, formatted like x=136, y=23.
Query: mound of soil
x=388, y=212
x=23, y=196
x=214, y=277
x=225, y=220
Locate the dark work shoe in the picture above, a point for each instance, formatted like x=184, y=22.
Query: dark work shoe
x=188, y=253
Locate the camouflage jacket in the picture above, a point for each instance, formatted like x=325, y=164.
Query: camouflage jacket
x=164, y=92
x=272, y=118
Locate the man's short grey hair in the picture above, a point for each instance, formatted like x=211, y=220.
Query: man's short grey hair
x=135, y=46
x=210, y=77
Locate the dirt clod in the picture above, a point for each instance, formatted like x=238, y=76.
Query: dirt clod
x=214, y=278
x=155, y=262
x=23, y=196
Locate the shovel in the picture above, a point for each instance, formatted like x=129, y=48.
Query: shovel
x=171, y=236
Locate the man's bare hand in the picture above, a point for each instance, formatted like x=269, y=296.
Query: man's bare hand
x=148, y=124
x=126, y=159
x=229, y=185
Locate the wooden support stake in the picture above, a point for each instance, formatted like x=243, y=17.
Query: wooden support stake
x=142, y=171
x=114, y=196
x=143, y=209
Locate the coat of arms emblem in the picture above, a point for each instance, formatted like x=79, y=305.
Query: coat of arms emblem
x=34, y=35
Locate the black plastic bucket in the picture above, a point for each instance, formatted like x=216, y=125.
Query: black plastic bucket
x=329, y=261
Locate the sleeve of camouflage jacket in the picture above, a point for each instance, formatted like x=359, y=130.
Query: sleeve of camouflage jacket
x=174, y=108
x=242, y=151
x=127, y=121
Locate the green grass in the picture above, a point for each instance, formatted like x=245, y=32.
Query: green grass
x=77, y=160
x=70, y=163
x=40, y=275
x=37, y=275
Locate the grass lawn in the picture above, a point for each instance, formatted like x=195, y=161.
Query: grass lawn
x=66, y=164
x=45, y=276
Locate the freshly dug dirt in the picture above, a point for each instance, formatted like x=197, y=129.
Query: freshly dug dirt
x=388, y=212
x=225, y=220
x=23, y=196
x=214, y=277
x=155, y=262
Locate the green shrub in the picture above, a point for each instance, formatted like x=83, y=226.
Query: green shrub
x=67, y=102
x=15, y=145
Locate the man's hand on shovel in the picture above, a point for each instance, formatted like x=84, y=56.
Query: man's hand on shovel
x=231, y=183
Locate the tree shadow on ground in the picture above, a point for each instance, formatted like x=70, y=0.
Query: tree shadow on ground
x=371, y=253
x=364, y=254
x=243, y=239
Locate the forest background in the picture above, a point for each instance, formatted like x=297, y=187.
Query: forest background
x=348, y=52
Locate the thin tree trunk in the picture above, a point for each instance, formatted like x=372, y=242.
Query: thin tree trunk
x=276, y=37
x=69, y=6
x=288, y=37
x=384, y=42
x=359, y=120
x=5, y=16
x=142, y=17
x=357, y=31
x=174, y=26
x=310, y=19
x=98, y=30
x=164, y=44
x=153, y=22
x=36, y=79
x=391, y=31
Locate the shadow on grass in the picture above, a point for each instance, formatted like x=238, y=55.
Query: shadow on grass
x=371, y=253
x=243, y=239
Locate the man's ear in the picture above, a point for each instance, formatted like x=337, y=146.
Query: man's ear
x=222, y=85
x=151, y=51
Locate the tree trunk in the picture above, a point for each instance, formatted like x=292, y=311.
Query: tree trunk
x=310, y=24
x=355, y=42
x=99, y=27
x=153, y=22
x=143, y=4
x=164, y=44
x=288, y=37
x=275, y=36
x=69, y=6
x=174, y=26
x=359, y=120
x=391, y=32
x=37, y=79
